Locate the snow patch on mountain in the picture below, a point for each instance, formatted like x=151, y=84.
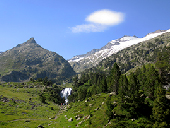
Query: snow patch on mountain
x=113, y=47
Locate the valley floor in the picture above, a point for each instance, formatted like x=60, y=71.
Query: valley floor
x=21, y=107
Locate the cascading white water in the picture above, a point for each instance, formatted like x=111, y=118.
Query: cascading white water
x=65, y=93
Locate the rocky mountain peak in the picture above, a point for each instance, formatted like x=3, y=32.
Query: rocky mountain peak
x=29, y=59
x=157, y=31
x=126, y=38
x=30, y=41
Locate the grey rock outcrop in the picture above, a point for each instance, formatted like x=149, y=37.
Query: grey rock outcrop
x=71, y=119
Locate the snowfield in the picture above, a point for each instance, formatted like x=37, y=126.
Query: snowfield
x=114, y=46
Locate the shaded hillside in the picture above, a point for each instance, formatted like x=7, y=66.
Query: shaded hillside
x=29, y=59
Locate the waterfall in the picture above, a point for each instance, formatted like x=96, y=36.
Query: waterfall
x=65, y=93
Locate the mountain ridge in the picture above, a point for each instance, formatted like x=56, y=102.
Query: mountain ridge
x=135, y=55
x=79, y=63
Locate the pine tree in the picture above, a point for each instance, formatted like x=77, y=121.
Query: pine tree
x=159, y=110
x=163, y=64
x=133, y=99
x=114, y=78
x=133, y=86
x=123, y=89
x=74, y=95
x=87, y=77
x=110, y=107
x=82, y=78
x=104, y=84
x=75, y=82
x=141, y=77
x=82, y=92
x=95, y=79
x=149, y=87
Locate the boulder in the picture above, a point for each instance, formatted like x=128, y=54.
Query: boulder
x=90, y=105
x=71, y=119
x=88, y=117
x=78, y=118
x=80, y=122
x=133, y=119
x=27, y=121
x=40, y=126
x=96, y=109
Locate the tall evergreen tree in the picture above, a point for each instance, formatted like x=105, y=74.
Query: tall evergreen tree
x=123, y=89
x=103, y=84
x=133, y=86
x=133, y=99
x=95, y=79
x=163, y=65
x=74, y=94
x=141, y=77
x=82, y=92
x=159, y=111
x=75, y=82
x=114, y=78
x=152, y=76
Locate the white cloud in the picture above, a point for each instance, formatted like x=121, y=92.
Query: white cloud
x=106, y=17
x=99, y=21
x=88, y=28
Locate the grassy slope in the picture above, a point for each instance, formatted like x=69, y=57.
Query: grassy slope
x=23, y=111
x=94, y=106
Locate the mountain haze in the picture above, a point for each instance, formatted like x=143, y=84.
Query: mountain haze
x=92, y=58
x=29, y=59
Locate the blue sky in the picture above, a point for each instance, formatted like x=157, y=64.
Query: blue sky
x=73, y=27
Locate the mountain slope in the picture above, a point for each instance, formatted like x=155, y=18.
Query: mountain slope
x=135, y=55
x=29, y=59
x=81, y=62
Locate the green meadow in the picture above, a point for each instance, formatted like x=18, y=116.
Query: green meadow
x=21, y=107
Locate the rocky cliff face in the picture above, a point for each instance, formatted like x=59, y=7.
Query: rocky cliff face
x=29, y=59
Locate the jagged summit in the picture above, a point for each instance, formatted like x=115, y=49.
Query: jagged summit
x=123, y=39
x=29, y=43
x=157, y=31
x=31, y=40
